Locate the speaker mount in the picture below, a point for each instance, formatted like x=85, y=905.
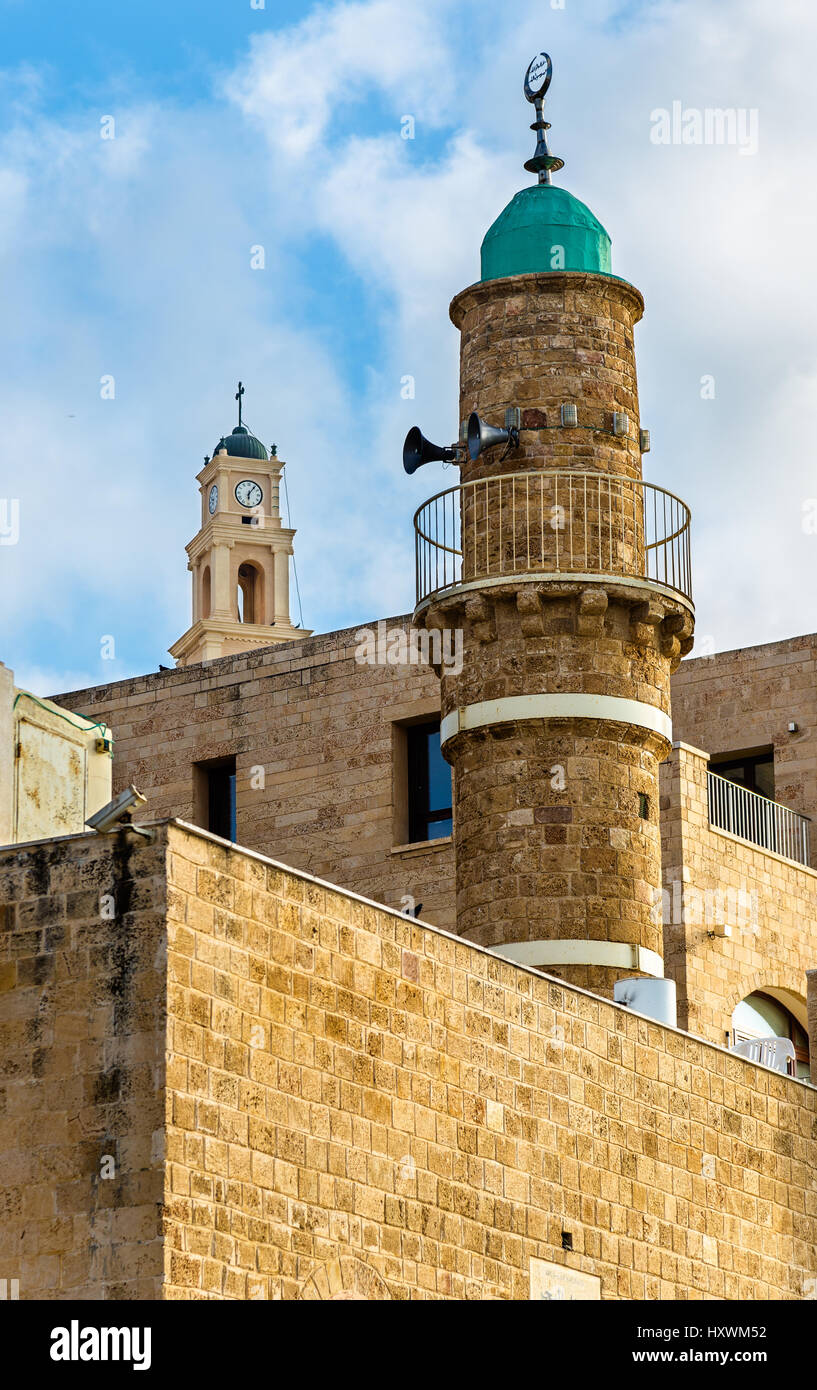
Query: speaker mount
x=418, y=450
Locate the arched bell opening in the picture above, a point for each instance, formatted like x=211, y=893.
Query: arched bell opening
x=250, y=595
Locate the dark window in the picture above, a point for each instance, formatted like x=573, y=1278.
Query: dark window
x=217, y=780
x=755, y=771
x=643, y=805
x=429, y=784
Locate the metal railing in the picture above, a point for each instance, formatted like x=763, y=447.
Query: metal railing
x=758, y=820
x=552, y=522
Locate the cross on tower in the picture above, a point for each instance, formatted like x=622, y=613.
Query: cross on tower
x=239, y=393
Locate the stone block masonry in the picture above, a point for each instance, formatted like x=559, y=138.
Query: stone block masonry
x=320, y=727
x=572, y=893
x=737, y=918
x=83, y=973
x=745, y=700
x=310, y=1096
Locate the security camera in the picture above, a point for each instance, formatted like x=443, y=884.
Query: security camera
x=117, y=813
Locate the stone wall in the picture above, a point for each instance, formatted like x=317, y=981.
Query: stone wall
x=357, y=1105
x=323, y=727
x=713, y=880
x=82, y=1067
x=374, y=1090
x=321, y=730
x=535, y=341
x=554, y=841
x=745, y=699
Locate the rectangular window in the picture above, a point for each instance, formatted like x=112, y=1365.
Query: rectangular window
x=215, y=798
x=429, y=784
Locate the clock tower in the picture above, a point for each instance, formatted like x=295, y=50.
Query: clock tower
x=239, y=558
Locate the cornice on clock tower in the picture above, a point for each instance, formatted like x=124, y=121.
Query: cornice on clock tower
x=239, y=558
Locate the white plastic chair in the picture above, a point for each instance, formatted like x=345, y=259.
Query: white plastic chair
x=769, y=1052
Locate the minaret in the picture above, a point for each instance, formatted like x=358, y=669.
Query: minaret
x=240, y=556
x=569, y=577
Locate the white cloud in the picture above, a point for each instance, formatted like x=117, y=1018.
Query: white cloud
x=297, y=80
x=706, y=232
x=132, y=257
x=45, y=681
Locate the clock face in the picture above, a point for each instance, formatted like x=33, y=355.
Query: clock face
x=248, y=493
x=212, y=501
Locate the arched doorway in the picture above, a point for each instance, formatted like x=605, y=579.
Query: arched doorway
x=761, y=1015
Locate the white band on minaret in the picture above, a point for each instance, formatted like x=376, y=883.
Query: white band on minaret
x=614, y=955
x=578, y=706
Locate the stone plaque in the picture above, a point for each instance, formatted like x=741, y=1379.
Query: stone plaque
x=558, y=1282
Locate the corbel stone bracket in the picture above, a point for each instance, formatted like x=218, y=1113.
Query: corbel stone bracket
x=529, y=606
x=480, y=616
x=590, y=613
x=676, y=636
x=645, y=621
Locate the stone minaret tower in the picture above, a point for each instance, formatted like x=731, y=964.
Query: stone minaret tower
x=569, y=577
x=240, y=556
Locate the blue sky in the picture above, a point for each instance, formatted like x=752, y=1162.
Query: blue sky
x=145, y=47
x=280, y=127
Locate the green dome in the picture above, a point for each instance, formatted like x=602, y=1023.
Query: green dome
x=241, y=444
x=526, y=237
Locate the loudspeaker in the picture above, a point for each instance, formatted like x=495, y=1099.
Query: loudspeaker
x=418, y=450
x=482, y=436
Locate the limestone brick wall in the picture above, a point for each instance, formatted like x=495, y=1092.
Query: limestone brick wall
x=745, y=699
x=535, y=341
x=551, y=840
x=320, y=726
x=356, y=1105
x=362, y=1106
x=82, y=1067
x=712, y=879
x=811, y=976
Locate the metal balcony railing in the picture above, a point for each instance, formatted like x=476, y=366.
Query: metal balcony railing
x=554, y=522
x=758, y=820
